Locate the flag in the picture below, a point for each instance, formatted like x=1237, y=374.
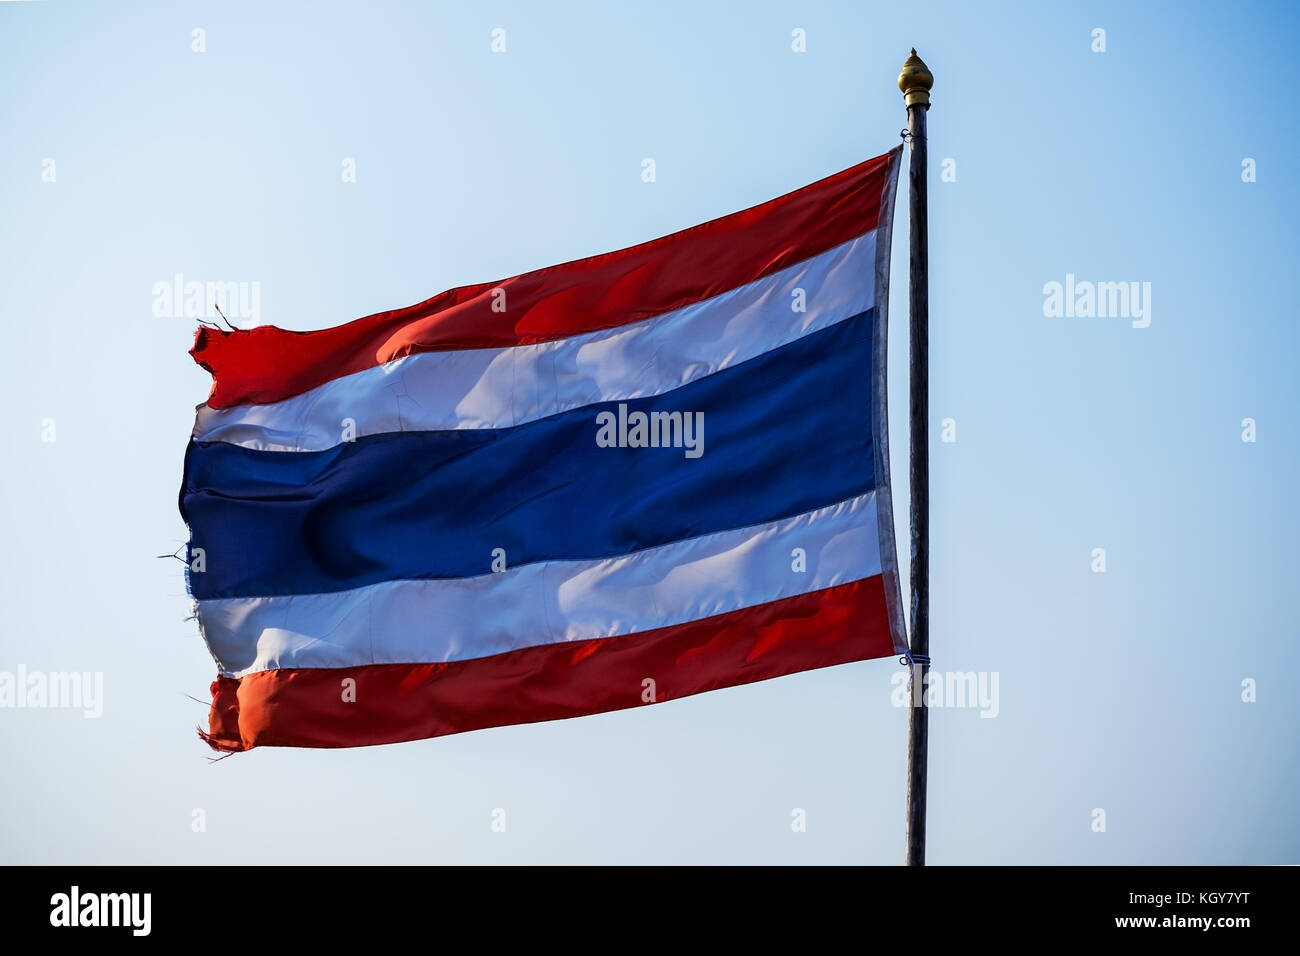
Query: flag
x=604, y=484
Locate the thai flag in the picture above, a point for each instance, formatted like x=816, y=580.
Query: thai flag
x=604, y=484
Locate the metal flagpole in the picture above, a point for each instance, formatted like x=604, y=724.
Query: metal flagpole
x=915, y=81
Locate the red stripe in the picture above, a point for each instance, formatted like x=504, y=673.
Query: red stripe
x=267, y=364
x=395, y=702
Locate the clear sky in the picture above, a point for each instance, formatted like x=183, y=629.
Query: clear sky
x=1120, y=691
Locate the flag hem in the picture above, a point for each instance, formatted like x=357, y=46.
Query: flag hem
x=880, y=417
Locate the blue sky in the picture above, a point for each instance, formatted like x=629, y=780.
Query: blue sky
x=1119, y=691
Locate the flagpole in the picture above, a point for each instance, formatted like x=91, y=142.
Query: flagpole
x=915, y=81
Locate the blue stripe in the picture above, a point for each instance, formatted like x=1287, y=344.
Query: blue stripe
x=784, y=433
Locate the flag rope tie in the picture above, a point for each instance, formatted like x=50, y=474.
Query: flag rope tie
x=909, y=659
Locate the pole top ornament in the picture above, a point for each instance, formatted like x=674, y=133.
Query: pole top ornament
x=915, y=81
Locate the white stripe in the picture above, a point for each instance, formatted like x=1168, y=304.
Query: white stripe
x=545, y=603
x=498, y=388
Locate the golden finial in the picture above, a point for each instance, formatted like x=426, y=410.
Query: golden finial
x=915, y=81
